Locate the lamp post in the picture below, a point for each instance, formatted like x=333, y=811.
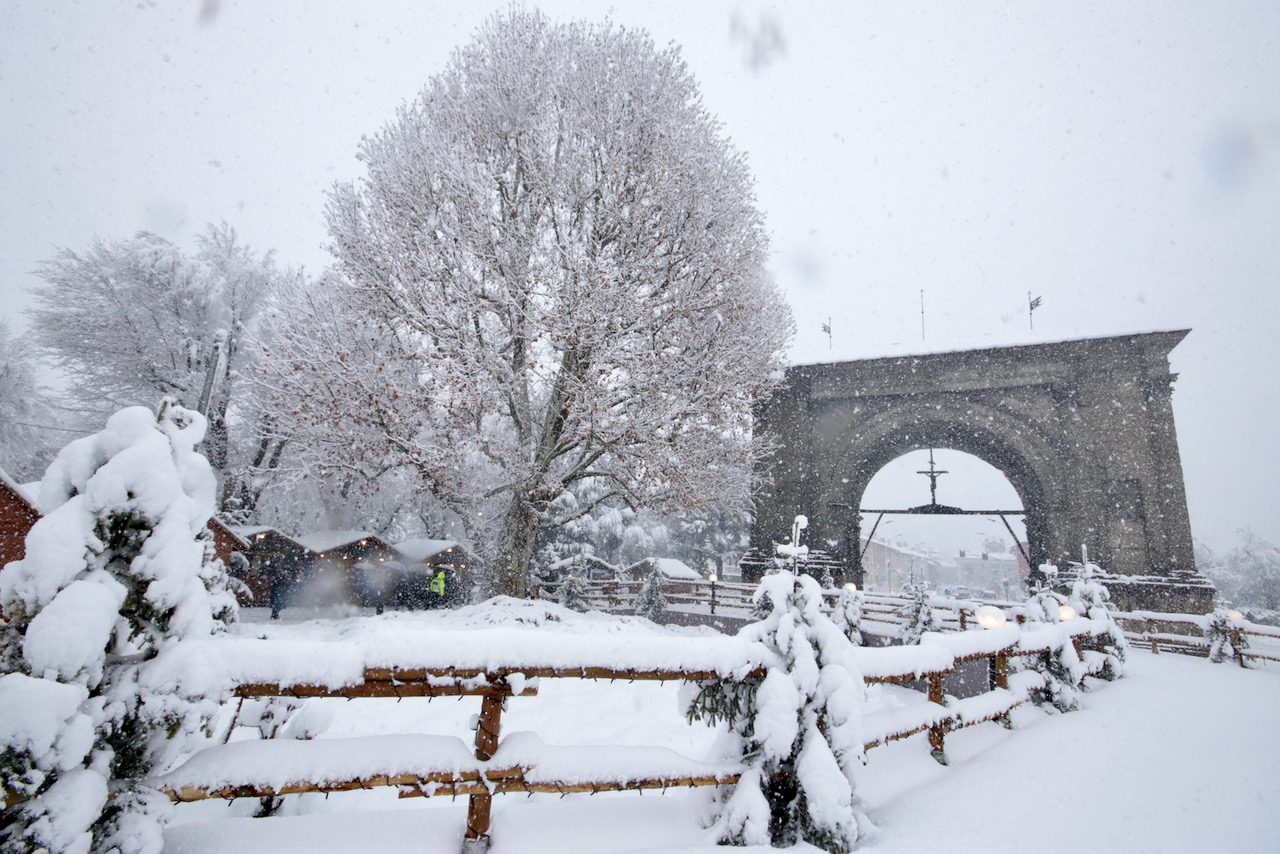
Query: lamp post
x=713, y=594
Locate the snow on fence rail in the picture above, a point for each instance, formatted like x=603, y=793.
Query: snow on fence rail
x=433, y=765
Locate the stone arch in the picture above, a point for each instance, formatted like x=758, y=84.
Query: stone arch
x=1083, y=430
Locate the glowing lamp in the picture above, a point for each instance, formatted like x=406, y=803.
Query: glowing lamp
x=1066, y=612
x=713, y=578
x=1235, y=615
x=851, y=587
x=990, y=617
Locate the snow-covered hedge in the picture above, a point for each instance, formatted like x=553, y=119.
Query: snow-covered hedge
x=117, y=571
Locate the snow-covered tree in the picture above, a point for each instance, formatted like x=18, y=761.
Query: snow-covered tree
x=650, y=602
x=847, y=614
x=25, y=412
x=717, y=534
x=797, y=731
x=118, y=570
x=1225, y=640
x=1249, y=574
x=131, y=321
x=552, y=272
x=1091, y=599
x=1061, y=666
x=573, y=594
x=921, y=617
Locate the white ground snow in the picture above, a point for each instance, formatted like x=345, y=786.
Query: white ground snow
x=1179, y=756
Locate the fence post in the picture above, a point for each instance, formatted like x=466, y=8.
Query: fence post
x=937, y=732
x=1000, y=679
x=479, y=804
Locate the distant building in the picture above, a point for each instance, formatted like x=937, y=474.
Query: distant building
x=890, y=567
x=226, y=542
x=667, y=567
x=271, y=556
x=18, y=514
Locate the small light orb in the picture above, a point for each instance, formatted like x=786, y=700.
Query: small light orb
x=713, y=578
x=1235, y=615
x=851, y=587
x=1066, y=612
x=990, y=617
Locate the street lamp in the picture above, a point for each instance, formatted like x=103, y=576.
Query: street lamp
x=990, y=617
x=713, y=594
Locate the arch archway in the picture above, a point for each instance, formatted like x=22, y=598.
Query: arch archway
x=1083, y=430
x=912, y=522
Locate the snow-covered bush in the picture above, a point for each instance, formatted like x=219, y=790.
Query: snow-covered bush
x=1091, y=600
x=650, y=601
x=921, y=617
x=797, y=731
x=1061, y=666
x=573, y=594
x=1225, y=641
x=847, y=614
x=117, y=571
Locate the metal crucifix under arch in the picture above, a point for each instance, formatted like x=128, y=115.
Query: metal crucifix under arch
x=933, y=508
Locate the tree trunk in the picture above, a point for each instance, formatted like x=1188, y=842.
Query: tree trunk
x=509, y=575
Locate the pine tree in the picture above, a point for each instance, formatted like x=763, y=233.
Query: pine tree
x=797, y=730
x=1061, y=666
x=847, y=615
x=650, y=601
x=118, y=570
x=573, y=594
x=1091, y=600
x=1225, y=642
x=920, y=615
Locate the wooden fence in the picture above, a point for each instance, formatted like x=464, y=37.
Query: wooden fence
x=1183, y=633
x=430, y=765
x=1187, y=634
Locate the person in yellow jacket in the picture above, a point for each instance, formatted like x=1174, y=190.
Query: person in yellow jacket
x=438, y=589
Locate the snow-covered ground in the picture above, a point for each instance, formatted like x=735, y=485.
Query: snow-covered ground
x=1181, y=755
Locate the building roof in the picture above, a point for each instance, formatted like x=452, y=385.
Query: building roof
x=323, y=541
x=27, y=492
x=423, y=548
x=672, y=568
x=215, y=524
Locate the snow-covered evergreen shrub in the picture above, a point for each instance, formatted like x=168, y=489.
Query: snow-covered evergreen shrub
x=1225, y=643
x=847, y=615
x=1091, y=600
x=797, y=731
x=116, y=572
x=1062, y=668
x=573, y=594
x=921, y=617
x=650, y=601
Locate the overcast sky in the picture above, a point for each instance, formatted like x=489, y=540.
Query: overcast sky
x=1120, y=159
